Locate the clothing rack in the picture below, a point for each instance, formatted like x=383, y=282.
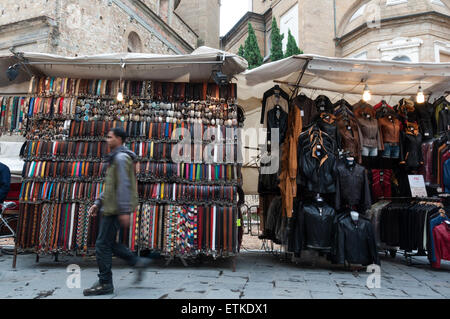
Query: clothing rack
x=407, y=254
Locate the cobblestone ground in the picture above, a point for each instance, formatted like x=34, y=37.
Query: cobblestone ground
x=259, y=275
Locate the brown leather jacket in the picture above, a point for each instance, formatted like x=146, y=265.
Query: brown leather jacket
x=288, y=175
x=390, y=129
x=350, y=136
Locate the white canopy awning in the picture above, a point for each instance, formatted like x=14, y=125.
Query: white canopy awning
x=194, y=67
x=336, y=78
x=339, y=77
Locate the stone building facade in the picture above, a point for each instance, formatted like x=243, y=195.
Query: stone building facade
x=70, y=28
x=203, y=16
x=405, y=30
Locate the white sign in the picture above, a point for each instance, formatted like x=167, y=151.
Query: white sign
x=417, y=185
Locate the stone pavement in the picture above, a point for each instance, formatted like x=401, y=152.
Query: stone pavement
x=258, y=275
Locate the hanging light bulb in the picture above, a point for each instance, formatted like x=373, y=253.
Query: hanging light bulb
x=120, y=96
x=420, y=96
x=367, y=95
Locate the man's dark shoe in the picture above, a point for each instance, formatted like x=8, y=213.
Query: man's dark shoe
x=140, y=266
x=99, y=289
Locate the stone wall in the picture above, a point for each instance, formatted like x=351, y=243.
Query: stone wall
x=91, y=27
x=203, y=16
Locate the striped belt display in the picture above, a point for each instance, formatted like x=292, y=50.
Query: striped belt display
x=185, y=208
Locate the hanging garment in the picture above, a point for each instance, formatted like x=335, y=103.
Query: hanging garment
x=323, y=104
x=373, y=214
x=274, y=96
x=289, y=161
x=381, y=183
x=308, y=110
x=352, y=190
x=371, y=135
x=277, y=118
x=349, y=136
x=444, y=120
x=446, y=176
x=319, y=218
x=327, y=123
x=317, y=161
x=390, y=128
x=441, y=235
x=424, y=113
x=410, y=147
x=356, y=241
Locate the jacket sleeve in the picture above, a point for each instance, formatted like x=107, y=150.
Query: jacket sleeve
x=402, y=149
x=372, y=244
x=421, y=161
x=123, y=191
x=380, y=139
x=367, y=200
x=340, y=249
x=338, y=193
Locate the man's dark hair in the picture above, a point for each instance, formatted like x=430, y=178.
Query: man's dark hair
x=119, y=132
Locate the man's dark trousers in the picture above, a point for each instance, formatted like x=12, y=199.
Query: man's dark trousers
x=106, y=246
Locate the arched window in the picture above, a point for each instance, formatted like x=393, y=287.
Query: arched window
x=134, y=42
x=402, y=58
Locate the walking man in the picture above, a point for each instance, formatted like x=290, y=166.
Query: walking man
x=116, y=203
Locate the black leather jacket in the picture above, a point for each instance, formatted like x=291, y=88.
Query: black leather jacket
x=327, y=124
x=424, y=115
x=319, y=218
x=352, y=187
x=318, y=175
x=356, y=241
x=273, y=121
x=411, y=150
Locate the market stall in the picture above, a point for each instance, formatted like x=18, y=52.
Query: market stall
x=188, y=206
x=355, y=137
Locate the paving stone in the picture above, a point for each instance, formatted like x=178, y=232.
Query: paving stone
x=253, y=280
x=325, y=295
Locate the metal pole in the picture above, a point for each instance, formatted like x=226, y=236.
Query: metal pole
x=294, y=93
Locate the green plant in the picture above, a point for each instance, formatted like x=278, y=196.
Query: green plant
x=276, y=39
x=251, y=50
x=292, y=48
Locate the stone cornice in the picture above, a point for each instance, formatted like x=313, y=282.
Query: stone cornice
x=363, y=29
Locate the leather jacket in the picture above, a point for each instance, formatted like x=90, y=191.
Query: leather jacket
x=356, y=241
x=319, y=218
x=323, y=104
x=280, y=122
x=317, y=161
x=411, y=147
x=317, y=172
x=424, y=116
x=307, y=108
x=352, y=187
x=443, y=121
x=327, y=124
x=390, y=128
x=350, y=136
